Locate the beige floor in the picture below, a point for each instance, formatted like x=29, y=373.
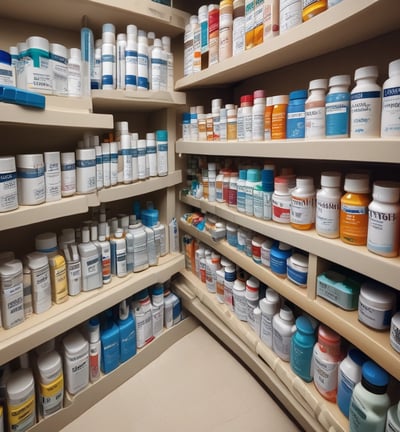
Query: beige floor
x=196, y=385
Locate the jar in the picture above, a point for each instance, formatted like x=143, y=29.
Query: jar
x=295, y=125
x=297, y=269
x=280, y=252
x=328, y=205
x=302, y=205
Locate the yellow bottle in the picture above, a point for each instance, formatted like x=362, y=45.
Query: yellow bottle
x=313, y=7
x=258, y=22
x=249, y=24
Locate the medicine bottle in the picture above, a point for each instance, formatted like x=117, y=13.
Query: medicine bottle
x=390, y=122
x=354, y=210
x=393, y=418
x=213, y=34
x=328, y=205
x=313, y=7
x=302, y=205
x=365, y=105
x=281, y=199
x=238, y=28
x=327, y=356
x=11, y=293
x=244, y=118
x=75, y=73
x=258, y=114
x=249, y=24
x=8, y=184
x=68, y=174
x=278, y=117
x=230, y=277
x=225, y=29
x=253, y=178
x=384, y=219
x=315, y=109
x=232, y=191
x=252, y=297
x=231, y=127
x=203, y=21
x=241, y=191
x=283, y=328
x=370, y=401
x=295, y=124
x=30, y=179
x=38, y=263
x=290, y=14
x=337, y=107
x=268, y=118
x=239, y=300
x=280, y=252
x=269, y=308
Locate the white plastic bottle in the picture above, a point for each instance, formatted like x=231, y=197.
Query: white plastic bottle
x=166, y=44
x=162, y=152
x=120, y=60
x=144, y=318
x=134, y=154
x=131, y=58
x=90, y=261
x=86, y=181
x=11, y=293
x=238, y=27
x=151, y=155
x=75, y=73
x=315, y=109
x=143, y=62
x=390, y=122
x=269, y=308
x=93, y=326
x=156, y=65
x=108, y=58
x=74, y=269
x=105, y=149
x=141, y=158
x=258, y=114
x=290, y=14
x=52, y=175
x=337, y=107
x=393, y=419
x=283, y=329
x=41, y=285
x=188, y=50
x=118, y=254
x=302, y=205
x=365, y=105
x=99, y=163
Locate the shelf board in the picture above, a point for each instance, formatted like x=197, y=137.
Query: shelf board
x=358, y=258
x=59, y=318
x=346, y=149
x=146, y=14
x=336, y=28
x=139, y=188
x=78, y=404
x=60, y=112
x=133, y=100
x=344, y=322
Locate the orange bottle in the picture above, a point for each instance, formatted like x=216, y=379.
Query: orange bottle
x=313, y=7
x=278, y=118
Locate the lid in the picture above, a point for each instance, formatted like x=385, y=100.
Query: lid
x=46, y=242
x=252, y=284
x=108, y=28
x=267, y=176
x=186, y=117
x=299, y=260
x=280, y=100
x=374, y=378
x=269, y=306
x=286, y=313
x=356, y=183
x=269, y=101
x=10, y=268
x=258, y=94
x=339, y=80
x=29, y=160
x=253, y=175
x=306, y=184
x=357, y=356
x=281, y=184
x=366, y=72
x=157, y=289
x=59, y=50
x=162, y=135
x=225, y=262
x=304, y=325
x=7, y=164
x=5, y=57
x=378, y=295
x=216, y=103
x=394, y=68
x=94, y=329
x=284, y=246
x=267, y=243
x=330, y=179
x=131, y=29
x=203, y=12
x=246, y=100
x=328, y=337
x=37, y=42
x=298, y=94
x=141, y=295
x=243, y=174
x=150, y=136
x=85, y=235
x=230, y=273
x=49, y=364
x=37, y=260
x=239, y=285
x=20, y=384
x=74, y=343
x=386, y=191
x=321, y=84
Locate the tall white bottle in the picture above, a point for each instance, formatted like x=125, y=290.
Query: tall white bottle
x=90, y=261
x=131, y=58
x=143, y=62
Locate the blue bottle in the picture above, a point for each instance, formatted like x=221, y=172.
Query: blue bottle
x=127, y=333
x=337, y=107
x=295, y=123
x=301, y=349
x=110, y=349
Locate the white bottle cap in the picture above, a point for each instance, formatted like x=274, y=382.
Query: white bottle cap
x=203, y=13
x=386, y=191
x=131, y=29
x=7, y=164
x=121, y=37
x=46, y=242
x=339, y=80
x=37, y=42
x=166, y=43
x=284, y=246
x=194, y=19
x=356, y=183
x=75, y=53
x=85, y=234
x=366, y=72
x=321, y=83
x=394, y=68
x=280, y=99
x=330, y=179
x=59, y=50
x=306, y=183
x=49, y=365
x=286, y=313
x=268, y=101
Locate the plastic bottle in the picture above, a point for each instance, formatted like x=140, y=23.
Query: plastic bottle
x=162, y=152
x=151, y=155
x=241, y=191
x=253, y=177
x=283, y=330
x=131, y=58
x=327, y=356
x=104, y=245
x=337, y=107
x=110, y=347
x=301, y=350
x=168, y=64
x=75, y=73
x=212, y=265
x=267, y=183
x=295, y=123
x=384, y=219
x=365, y=105
x=143, y=62
x=51, y=383
x=252, y=296
x=249, y=23
x=280, y=252
x=390, y=122
x=231, y=126
x=290, y=14
x=279, y=116
x=302, y=205
x=38, y=263
x=140, y=256
x=328, y=205
x=354, y=210
x=156, y=65
x=127, y=333
x=213, y=34
x=258, y=22
x=238, y=28
x=94, y=349
x=349, y=376
x=239, y=300
x=30, y=179
x=393, y=418
x=144, y=317
x=370, y=402
x=76, y=362
x=268, y=118
x=108, y=58
x=157, y=301
x=91, y=263
x=11, y=293
x=315, y=109
x=86, y=181
x=8, y=184
x=52, y=175
x=203, y=21
x=258, y=113
x=118, y=254
x=281, y=199
x=225, y=29
x=269, y=308
x=312, y=8
x=230, y=277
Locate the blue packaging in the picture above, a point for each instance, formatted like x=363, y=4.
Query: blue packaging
x=295, y=123
x=110, y=347
x=127, y=333
x=337, y=107
x=301, y=350
x=280, y=252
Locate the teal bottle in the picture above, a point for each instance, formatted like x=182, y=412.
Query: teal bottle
x=301, y=350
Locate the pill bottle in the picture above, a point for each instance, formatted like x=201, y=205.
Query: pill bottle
x=376, y=305
x=231, y=126
x=328, y=205
x=21, y=402
x=239, y=300
x=384, y=219
x=365, y=104
x=8, y=184
x=390, y=122
x=297, y=269
x=266, y=252
x=315, y=109
x=38, y=264
x=302, y=204
x=354, y=210
x=213, y=34
x=279, y=116
x=337, y=107
x=349, y=376
x=252, y=297
x=244, y=116
x=238, y=28
x=253, y=178
x=249, y=23
x=267, y=183
x=395, y=332
x=295, y=124
x=241, y=191
x=230, y=277
x=258, y=114
x=283, y=328
x=312, y=8
x=86, y=181
x=220, y=278
x=370, y=401
x=68, y=174
x=225, y=29
x=327, y=356
x=290, y=14
x=393, y=418
x=30, y=179
x=232, y=189
x=11, y=293
x=268, y=118
x=280, y=252
x=281, y=199
x=269, y=306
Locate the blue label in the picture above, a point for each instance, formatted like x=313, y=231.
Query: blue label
x=130, y=80
x=58, y=58
x=107, y=80
x=151, y=150
x=162, y=147
x=67, y=167
x=131, y=53
x=278, y=265
x=29, y=173
x=156, y=61
x=114, y=157
x=366, y=95
x=106, y=158
x=394, y=91
x=85, y=163
x=297, y=276
x=141, y=152
x=337, y=111
x=125, y=152
x=134, y=152
x=8, y=177
x=99, y=159
x=108, y=58
x=143, y=82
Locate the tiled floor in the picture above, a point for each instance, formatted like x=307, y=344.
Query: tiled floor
x=196, y=386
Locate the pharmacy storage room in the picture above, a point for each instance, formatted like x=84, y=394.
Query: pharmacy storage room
x=200, y=215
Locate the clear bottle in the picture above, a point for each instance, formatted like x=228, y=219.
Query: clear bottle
x=390, y=122
x=365, y=104
x=315, y=109
x=370, y=401
x=302, y=205
x=384, y=219
x=328, y=205
x=354, y=210
x=337, y=107
x=283, y=330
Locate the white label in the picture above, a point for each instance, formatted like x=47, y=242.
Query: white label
x=158, y=320
x=325, y=373
x=74, y=80
x=383, y=232
x=281, y=344
x=391, y=112
x=327, y=216
x=144, y=326
x=302, y=210
x=240, y=306
x=12, y=300
x=266, y=329
x=228, y=294
x=8, y=192
x=290, y=14
x=315, y=122
x=41, y=289
x=365, y=114
x=238, y=35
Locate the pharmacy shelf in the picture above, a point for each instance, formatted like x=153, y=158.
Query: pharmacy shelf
x=146, y=14
x=133, y=100
x=301, y=399
x=358, y=258
x=60, y=112
x=60, y=318
x=375, y=344
x=336, y=28
x=139, y=188
x=346, y=149
x=78, y=404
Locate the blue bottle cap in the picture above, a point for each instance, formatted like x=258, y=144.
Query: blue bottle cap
x=304, y=325
x=141, y=295
x=357, y=356
x=298, y=94
x=374, y=378
x=5, y=57
x=162, y=135
x=186, y=117
x=242, y=174
x=253, y=175
x=157, y=289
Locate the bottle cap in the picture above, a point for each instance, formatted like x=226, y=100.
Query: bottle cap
x=280, y=100
x=305, y=183
x=366, y=72
x=339, y=80
x=37, y=42
x=162, y=135
x=253, y=175
x=378, y=295
x=304, y=325
x=356, y=183
x=386, y=191
x=374, y=378
x=94, y=329
x=298, y=94
x=330, y=179
x=281, y=184
x=5, y=57
x=286, y=313
x=394, y=68
x=258, y=94
x=243, y=174
x=46, y=242
x=321, y=83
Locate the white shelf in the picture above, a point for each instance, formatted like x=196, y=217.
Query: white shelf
x=80, y=403
x=374, y=343
x=346, y=149
x=358, y=258
x=336, y=28
x=130, y=100
x=146, y=14
x=60, y=318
